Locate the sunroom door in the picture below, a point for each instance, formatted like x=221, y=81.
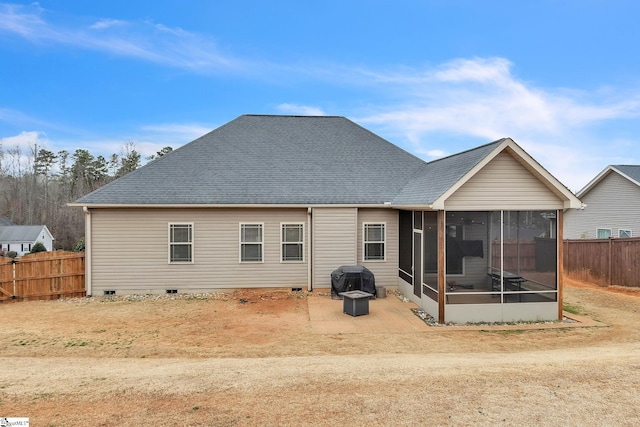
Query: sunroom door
x=417, y=263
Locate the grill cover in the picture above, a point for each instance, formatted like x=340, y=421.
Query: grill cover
x=352, y=278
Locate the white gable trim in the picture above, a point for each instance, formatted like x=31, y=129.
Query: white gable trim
x=606, y=171
x=439, y=202
x=570, y=200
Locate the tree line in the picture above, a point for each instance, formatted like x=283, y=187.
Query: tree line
x=36, y=184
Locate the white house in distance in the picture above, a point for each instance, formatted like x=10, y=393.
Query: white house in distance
x=21, y=238
x=612, y=208
x=282, y=201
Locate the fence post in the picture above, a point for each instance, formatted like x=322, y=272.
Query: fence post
x=13, y=267
x=610, y=278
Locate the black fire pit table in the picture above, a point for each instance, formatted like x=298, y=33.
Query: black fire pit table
x=356, y=303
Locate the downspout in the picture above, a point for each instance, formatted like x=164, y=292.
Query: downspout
x=309, y=249
x=87, y=250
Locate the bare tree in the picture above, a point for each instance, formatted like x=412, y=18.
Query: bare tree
x=36, y=186
x=129, y=159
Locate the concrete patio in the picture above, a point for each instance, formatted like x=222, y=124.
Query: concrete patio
x=388, y=314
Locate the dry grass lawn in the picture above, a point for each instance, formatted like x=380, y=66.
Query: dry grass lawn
x=250, y=358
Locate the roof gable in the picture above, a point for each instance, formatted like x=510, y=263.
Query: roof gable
x=504, y=183
x=630, y=172
x=446, y=176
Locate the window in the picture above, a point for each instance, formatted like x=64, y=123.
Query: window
x=603, y=233
x=624, y=233
x=374, y=242
x=180, y=243
x=292, y=242
x=251, y=247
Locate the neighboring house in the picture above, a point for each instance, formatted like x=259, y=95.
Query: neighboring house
x=612, y=206
x=21, y=238
x=282, y=201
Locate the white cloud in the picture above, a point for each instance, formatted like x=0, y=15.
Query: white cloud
x=26, y=139
x=479, y=98
x=303, y=110
x=141, y=40
x=22, y=24
x=107, y=23
x=432, y=154
x=481, y=70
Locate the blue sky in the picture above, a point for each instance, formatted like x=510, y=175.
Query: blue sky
x=562, y=78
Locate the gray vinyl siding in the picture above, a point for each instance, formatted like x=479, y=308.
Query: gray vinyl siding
x=334, y=242
x=385, y=272
x=613, y=203
x=503, y=184
x=130, y=250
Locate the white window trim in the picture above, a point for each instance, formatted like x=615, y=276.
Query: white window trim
x=364, y=242
x=240, y=243
x=610, y=233
x=282, y=243
x=169, y=243
x=627, y=230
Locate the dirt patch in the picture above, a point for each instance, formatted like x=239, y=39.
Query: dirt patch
x=615, y=289
x=249, y=358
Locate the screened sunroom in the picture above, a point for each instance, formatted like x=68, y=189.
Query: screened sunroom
x=481, y=237
x=472, y=266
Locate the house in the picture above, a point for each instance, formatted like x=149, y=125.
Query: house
x=282, y=201
x=21, y=238
x=612, y=205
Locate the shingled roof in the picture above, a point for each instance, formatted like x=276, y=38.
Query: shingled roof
x=20, y=233
x=258, y=159
x=290, y=160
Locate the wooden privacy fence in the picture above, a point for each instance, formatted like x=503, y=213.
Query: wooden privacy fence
x=605, y=262
x=42, y=276
x=538, y=254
